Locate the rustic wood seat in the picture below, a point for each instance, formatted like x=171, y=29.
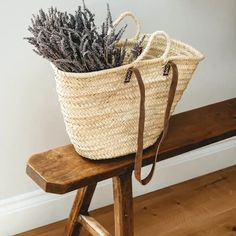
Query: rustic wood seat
x=62, y=170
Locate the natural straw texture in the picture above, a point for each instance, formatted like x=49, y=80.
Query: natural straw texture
x=101, y=112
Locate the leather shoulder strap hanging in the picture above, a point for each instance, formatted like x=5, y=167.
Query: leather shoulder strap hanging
x=171, y=95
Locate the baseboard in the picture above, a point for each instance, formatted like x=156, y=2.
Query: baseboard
x=34, y=209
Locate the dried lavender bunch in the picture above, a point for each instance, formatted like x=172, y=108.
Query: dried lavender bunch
x=73, y=43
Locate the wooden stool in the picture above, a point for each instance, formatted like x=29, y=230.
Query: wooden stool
x=62, y=170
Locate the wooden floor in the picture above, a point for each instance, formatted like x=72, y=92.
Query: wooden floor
x=199, y=207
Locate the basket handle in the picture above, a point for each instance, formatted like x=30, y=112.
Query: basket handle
x=149, y=44
x=136, y=20
x=139, y=153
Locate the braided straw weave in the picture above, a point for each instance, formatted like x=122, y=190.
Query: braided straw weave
x=101, y=112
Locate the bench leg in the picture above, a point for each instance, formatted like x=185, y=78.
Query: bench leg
x=123, y=205
x=80, y=206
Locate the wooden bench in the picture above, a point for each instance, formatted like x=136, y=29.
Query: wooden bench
x=62, y=170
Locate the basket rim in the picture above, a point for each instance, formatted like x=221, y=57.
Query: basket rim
x=197, y=57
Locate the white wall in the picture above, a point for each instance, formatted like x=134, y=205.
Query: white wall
x=30, y=119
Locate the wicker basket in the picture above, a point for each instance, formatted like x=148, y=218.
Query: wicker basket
x=102, y=114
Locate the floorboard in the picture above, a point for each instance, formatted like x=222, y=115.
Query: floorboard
x=205, y=206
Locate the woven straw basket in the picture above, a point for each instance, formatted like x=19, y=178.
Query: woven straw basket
x=105, y=117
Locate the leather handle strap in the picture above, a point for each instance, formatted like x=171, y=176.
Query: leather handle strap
x=139, y=153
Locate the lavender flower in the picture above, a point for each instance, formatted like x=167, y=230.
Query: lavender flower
x=74, y=43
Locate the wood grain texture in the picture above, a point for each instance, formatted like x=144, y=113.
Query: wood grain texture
x=123, y=205
x=204, y=206
x=62, y=170
x=92, y=226
x=80, y=206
